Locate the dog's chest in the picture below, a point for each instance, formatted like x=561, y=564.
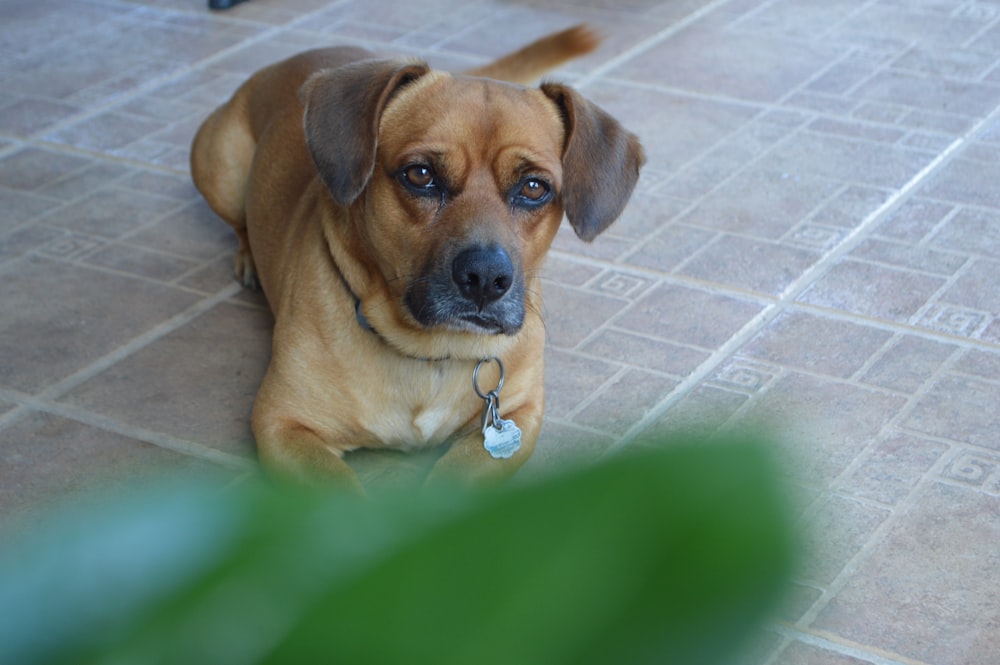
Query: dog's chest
x=425, y=409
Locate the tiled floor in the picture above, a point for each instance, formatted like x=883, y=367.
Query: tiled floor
x=815, y=244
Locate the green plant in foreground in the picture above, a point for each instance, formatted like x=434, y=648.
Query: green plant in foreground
x=672, y=554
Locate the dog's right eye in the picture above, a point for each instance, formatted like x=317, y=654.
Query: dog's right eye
x=419, y=178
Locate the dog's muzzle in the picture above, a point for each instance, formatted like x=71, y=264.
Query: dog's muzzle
x=482, y=292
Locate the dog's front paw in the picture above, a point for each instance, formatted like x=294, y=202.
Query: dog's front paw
x=246, y=272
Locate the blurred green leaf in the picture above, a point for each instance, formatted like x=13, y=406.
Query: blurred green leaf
x=667, y=554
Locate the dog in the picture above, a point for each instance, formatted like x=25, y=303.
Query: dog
x=396, y=218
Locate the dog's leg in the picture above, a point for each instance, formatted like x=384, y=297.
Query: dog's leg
x=297, y=453
x=468, y=462
x=220, y=164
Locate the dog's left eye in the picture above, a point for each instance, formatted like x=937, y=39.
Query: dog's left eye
x=533, y=191
x=419, y=177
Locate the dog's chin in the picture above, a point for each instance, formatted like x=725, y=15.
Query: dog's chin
x=502, y=318
x=481, y=325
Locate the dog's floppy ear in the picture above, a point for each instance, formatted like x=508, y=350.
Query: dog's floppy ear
x=601, y=162
x=342, y=111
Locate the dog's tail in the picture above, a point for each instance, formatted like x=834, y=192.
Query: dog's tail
x=532, y=62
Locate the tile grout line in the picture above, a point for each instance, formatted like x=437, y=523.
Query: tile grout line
x=648, y=43
x=140, y=341
x=29, y=404
x=897, y=327
x=802, y=283
x=872, y=655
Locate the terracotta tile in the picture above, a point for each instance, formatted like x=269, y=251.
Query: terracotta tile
x=32, y=168
x=952, y=96
x=850, y=207
x=971, y=231
x=196, y=383
x=194, y=231
x=646, y=212
x=976, y=287
x=820, y=426
x=141, y=262
x=25, y=239
x=965, y=181
x=798, y=653
x=112, y=212
x=729, y=63
x=572, y=314
x=30, y=115
x=640, y=351
x=571, y=378
x=871, y=290
x=927, y=592
x=569, y=273
x=816, y=344
x=697, y=415
x=907, y=256
x=754, y=265
x=835, y=534
x=57, y=318
x=46, y=458
x=846, y=160
x=892, y=469
x=625, y=401
x=908, y=364
x=82, y=183
x=21, y=207
x=729, y=156
x=899, y=25
x=789, y=18
x=961, y=409
x=673, y=128
x=562, y=446
x=760, y=204
x=670, y=247
x=981, y=363
x=107, y=132
x=689, y=316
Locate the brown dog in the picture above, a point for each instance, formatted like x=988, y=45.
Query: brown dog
x=396, y=218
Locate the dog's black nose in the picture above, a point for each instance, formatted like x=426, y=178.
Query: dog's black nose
x=483, y=274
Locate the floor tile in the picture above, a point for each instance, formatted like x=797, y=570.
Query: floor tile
x=959, y=408
x=785, y=141
x=846, y=160
x=947, y=618
x=908, y=364
x=834, y=534
x=820, y=426
x=673, y=128
x=761, y=204
x=46, y=458
x=572, y=314
x=197, y=383
x=798, y=653
x=966, y=181
x=738, y=66
x=876, y=291
x=688, y=316
x=57, y=318
x=890, y=471
x=816, y=344
x=764, y=267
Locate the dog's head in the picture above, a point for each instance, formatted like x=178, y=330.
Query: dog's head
x=456, y=186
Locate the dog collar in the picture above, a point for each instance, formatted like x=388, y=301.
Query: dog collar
x=362, y=321
x=366, y=325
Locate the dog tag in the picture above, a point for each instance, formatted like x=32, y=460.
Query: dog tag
x=502, y=438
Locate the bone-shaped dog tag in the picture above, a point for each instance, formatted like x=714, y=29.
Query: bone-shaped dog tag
x=502, y=438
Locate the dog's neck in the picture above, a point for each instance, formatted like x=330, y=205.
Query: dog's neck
x=367, y=326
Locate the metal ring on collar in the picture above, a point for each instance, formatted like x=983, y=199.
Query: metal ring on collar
x=475, y=378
